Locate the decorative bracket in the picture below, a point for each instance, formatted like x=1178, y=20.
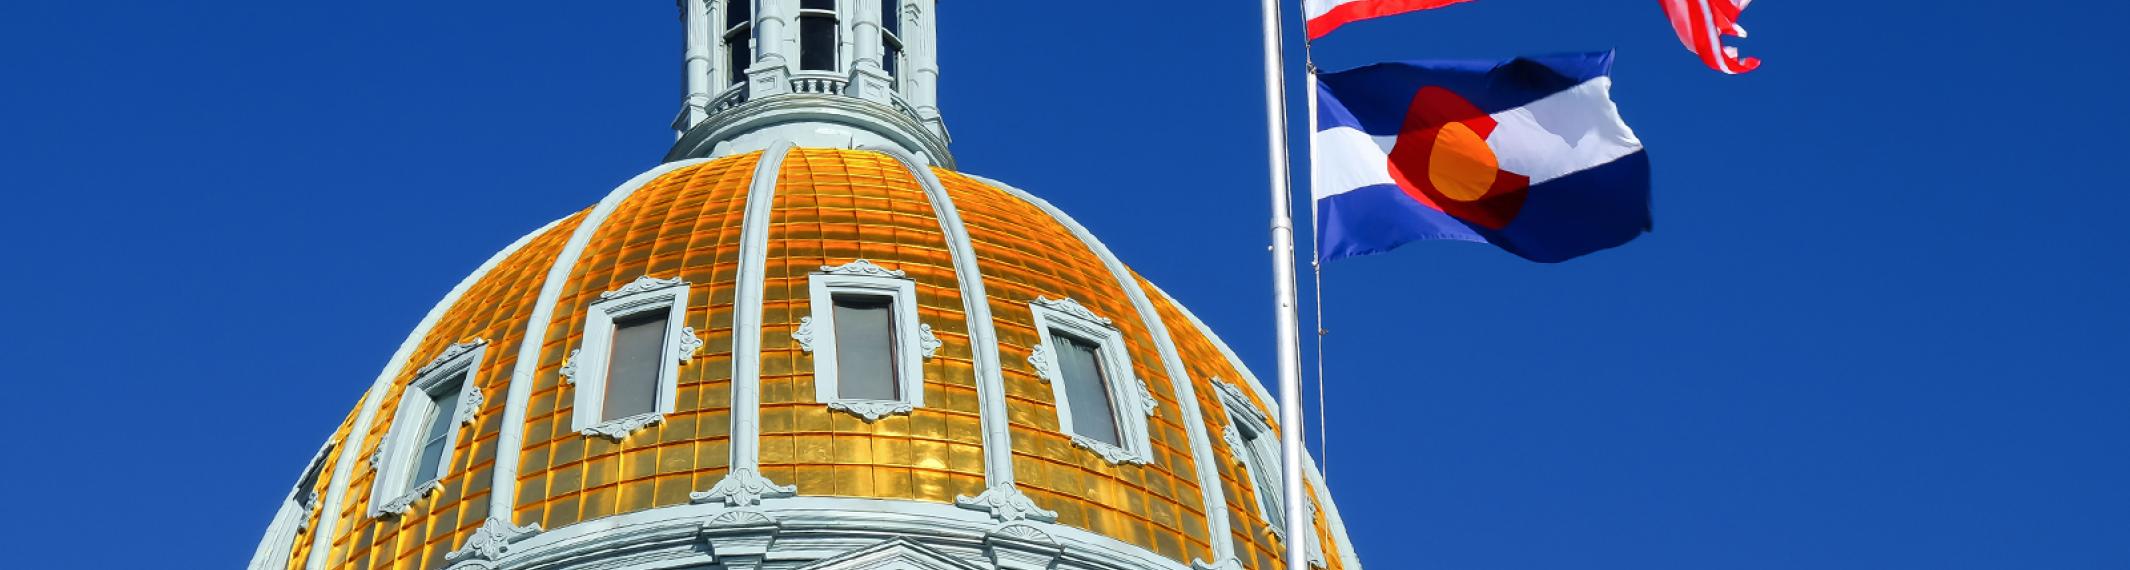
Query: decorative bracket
x=927, y=343
x=1113, y=454
x=492, y=540
x=805, y=334
x=1006, y=503
x=1074, y=308
x=1022, y=547
x=455, y=351
x=642, y=284
x=403, y=503
x=689, y=344
x=621, y=428
x=569, y=366
x=739, y=540
x=743, y=487
x=872, y=410
x=1039, y=357
x=864, y=267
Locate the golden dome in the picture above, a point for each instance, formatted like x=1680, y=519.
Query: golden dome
x=688, y=221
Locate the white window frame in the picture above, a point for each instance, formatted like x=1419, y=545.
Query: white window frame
x=396, y=456
x=1130, y=398
x=914, y=341
x=587, y=366
x=1242, y=414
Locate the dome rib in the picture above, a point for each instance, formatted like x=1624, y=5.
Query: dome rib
x=502, y=499
x=1216, y=512
x=373, y=399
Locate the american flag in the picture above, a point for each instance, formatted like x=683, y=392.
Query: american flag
x=1703, y=23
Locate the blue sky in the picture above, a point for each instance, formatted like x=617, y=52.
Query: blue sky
x=1881, y=323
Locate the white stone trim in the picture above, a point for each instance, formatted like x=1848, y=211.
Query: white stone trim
x=748, y=283
x=1129, y=397
x=983, y=340
x=492, y=540
x=510, y=443
x=292, y=519
x=1209, y=485
x=914, y=341
x=402, y=444
x=793, y=533
x=588, y=365
x=1332, y=519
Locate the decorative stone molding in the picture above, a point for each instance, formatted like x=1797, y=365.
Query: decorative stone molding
x=1232, y=396
x=1022, y=547
x=743, y=487
x=401, y=504
x=805, y=334
x=928, y=343
x=739, y=540
x=492, y=540
x=1224, y=564
x=619, y=429
x=644, y=284
x=1074, y=308
x=1006, y=503
x=469, y=405
x=303, y=524
x=1039, y=358
x=872, y=410
x=899, y=553
x=569, y=366
x=453, y=352
x=1147, y=403
x=864, y=268
x=1113, y=454
x=689, y=344
x=1236, y=447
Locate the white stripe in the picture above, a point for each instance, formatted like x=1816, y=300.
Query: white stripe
x=1348, y=160
x=1564, y=133
x=1317, y=8
x=1715, y=36
x=1561, y=134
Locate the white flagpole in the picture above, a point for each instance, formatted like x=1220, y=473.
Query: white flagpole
x=1289, y=329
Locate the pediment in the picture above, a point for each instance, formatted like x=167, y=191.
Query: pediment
x=895, y=554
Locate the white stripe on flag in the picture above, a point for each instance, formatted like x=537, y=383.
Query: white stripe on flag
x=1314, y=8
x=1562, y=134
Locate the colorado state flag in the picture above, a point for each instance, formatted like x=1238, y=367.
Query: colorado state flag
x=1530, y=155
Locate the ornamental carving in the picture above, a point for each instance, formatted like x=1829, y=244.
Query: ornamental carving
x=743, y=487
x=927, y=343
x=1071, y=307
x=449, y=354
x=1006, y=503
x=872, y=410
x=401, y=504
x=1235, y=442
x=470, y=404
x=865, y=268
x=1039, y=357
x=805, y=334
x=740, y=518
x=644, y=284
x=689, y=344
x=309, y=513
x=619, y=429
x=1113, y=454
x=1146, y=398
x=1233, y=398
x=492, y=540
x=569, y=366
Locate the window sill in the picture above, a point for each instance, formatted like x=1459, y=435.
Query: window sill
x=620, y=429
x=400, y=505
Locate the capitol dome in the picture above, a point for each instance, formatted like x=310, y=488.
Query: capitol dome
x=805, y=342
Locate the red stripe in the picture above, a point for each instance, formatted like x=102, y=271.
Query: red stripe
x=1351, y=12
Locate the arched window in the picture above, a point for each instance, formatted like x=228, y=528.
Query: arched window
x=818, y=23
x=739, y=33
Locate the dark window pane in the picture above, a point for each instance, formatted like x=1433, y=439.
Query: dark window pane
x=1263, y=454
x=738, y=12
x=632, y=366
x=891, y=16
x=817, y=43
x=308, y=485
x=865, y=347
x=739, y=54
x=1094, y=416
x=431, y=460
x=817, y=4
x=892, y=63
